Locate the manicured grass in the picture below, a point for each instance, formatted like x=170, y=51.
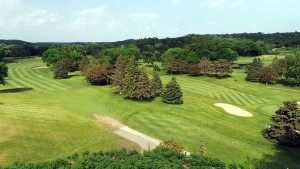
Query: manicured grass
x=42, y=118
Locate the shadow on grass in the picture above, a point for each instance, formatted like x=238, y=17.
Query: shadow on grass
x=15, y=90
x=284, y=157
x=286, y=83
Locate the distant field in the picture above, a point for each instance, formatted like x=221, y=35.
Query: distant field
x=42, y=118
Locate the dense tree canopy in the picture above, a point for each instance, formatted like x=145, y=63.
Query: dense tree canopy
x=254, y=70
x=99, y=74
x=292, y=73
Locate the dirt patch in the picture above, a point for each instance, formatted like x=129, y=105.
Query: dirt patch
x=41, y=67
x=231, y=109
x=113, y=123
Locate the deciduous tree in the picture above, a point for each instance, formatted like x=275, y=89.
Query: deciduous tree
x=99, y=74
x=254, y=70
x=269, y=75
x=292, y=73
x=223, y=68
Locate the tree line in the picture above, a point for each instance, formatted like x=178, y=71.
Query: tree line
x=286, y=69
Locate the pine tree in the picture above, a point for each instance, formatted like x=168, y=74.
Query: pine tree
x=119, y=73
x=142, y=88
x=131, y=76
x=254, y=70
x=286, y=127
x=172, y=94
x=156, y=84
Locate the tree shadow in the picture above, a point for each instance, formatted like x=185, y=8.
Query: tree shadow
x=286, y=83
x=285, y=157
x=15, y=90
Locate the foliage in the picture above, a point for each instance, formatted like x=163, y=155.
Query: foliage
x=142, y=89
x=280, y=66
x=99, y=74
x=119, y=72
x=110, y=55
x=254, y=70
x=206, y=66
x=155, y=83
x=62, y=67
x=148, y=57
x=131, y=77
x=222, y=68
x=194, y=70
x=174, y=60
x=285, y=128
x=172, y=144
x=3, y=73
x=158, y=158
x=84, y=64
x=72, y=52
x=171, y=93
x=292, y=73
x=269, y=75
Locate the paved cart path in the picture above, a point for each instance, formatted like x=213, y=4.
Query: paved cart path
x=144, y=141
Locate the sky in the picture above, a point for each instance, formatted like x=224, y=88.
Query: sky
x=116, y=20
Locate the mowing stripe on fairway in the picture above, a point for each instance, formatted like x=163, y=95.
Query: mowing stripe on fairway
x=33, y=79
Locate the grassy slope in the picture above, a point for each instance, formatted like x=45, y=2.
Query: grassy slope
x=37, y=123
x=53, y=119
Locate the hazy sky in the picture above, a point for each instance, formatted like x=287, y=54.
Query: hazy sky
x=114, y=20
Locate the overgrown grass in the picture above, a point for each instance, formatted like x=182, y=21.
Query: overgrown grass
x=52, y=118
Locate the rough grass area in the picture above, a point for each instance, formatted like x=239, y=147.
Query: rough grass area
x=42, y=118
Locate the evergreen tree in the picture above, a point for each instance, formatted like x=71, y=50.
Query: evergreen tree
x=3, y=73
x=254, y=70
x=119, y=73
x=142, y=88
x=223, y=68
x=286, y=125
x=269, y=75
x=131, y=76
x=156, y=84
x=172, y=94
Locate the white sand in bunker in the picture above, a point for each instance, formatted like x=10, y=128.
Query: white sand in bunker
x=234, y=110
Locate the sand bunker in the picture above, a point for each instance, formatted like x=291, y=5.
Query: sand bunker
x=234, y=110
x=41, y=67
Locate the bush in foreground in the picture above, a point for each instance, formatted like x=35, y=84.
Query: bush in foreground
x=158, y=158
